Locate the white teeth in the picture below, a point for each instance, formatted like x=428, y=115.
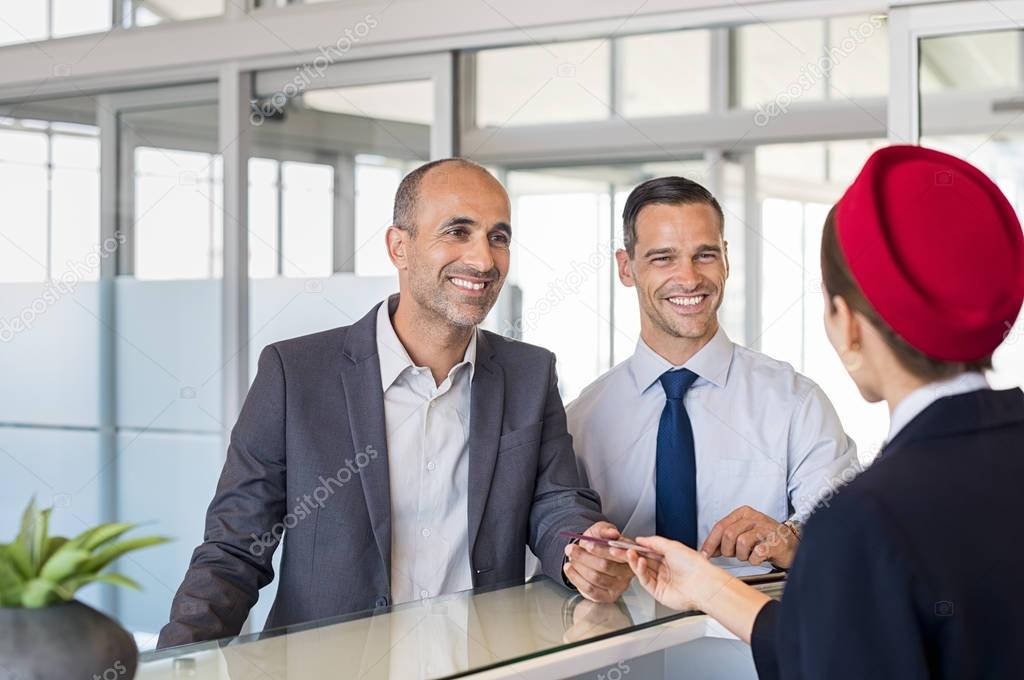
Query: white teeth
x=468, y=285
x=687, y=301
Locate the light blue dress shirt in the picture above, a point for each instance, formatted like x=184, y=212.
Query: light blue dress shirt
x=765, y=436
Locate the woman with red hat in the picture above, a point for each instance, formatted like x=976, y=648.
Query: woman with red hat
x=907, y=571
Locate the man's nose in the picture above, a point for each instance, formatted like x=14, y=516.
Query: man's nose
x=685, y=273
x=478, y=253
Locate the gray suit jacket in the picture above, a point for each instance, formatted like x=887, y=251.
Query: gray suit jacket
x=308, y=458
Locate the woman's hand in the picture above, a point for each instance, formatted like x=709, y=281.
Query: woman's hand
x=683, y=579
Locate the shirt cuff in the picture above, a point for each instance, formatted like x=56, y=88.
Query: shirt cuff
x=763, y=641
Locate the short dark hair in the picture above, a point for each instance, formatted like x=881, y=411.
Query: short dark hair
x=838, y=281
x=663, y=190
x=409, y=191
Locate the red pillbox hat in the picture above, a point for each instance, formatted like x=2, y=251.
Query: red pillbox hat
x=937, y=250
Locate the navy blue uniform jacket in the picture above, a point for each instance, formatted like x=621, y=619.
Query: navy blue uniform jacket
x=913, y=570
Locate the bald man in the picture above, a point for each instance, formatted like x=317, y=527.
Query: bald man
x=407, y=455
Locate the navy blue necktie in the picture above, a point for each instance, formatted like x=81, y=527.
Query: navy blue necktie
x=676, y=467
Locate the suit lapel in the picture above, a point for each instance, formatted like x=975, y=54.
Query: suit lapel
x=364, y=398
x=486, y=414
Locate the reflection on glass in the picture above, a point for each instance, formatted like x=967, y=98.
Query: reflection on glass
x=149, y=12
x=550, y=83
x=378, y=101
x=440, y=637
x=971, y=61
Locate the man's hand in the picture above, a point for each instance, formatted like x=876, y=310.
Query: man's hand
x=752, y=536
x=601, y=574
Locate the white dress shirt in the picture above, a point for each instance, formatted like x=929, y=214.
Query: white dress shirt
x=923, y=397
x=765, y=436
x=428, y=462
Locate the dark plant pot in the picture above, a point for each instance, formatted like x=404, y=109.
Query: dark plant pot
x=65, y=641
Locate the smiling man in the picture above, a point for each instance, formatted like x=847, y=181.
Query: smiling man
x=693, y=437
x=407, y=455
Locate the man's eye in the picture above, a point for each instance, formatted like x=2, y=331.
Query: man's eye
x=662, y=258
x=707, y=257
x=459, y=231
x=500, y=238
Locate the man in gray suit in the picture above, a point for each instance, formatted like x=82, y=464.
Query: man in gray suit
x=405, y=456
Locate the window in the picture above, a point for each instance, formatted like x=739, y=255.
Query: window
x=291, y=218
x=49, y=186
x=785, y=62
x=798, y=184
x=664, y=74
x=178, y=220
x=552, y=83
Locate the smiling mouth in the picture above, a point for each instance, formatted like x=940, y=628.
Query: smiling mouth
x=469, y=285
x=686, y=302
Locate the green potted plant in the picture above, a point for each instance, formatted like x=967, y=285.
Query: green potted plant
x=47, y=634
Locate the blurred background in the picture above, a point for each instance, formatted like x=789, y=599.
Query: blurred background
x=183, y=182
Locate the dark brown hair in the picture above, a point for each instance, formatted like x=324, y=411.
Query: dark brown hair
x=663, y=190
x=837, y=280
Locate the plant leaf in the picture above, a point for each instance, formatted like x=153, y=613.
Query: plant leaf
x=90, y=539
x=11, y=582
x=24, y=538
x=20, y=559
x=64, y=563
x=40, y=531
x=52, y=544
x=67, y=588
x=38, y=593
x=112, y=552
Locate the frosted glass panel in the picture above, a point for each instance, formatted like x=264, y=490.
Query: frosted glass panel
x=286, y=308
x=167, y=481
x=168, y=354
x=49, y=349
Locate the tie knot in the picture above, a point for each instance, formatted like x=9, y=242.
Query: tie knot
x=677, y=382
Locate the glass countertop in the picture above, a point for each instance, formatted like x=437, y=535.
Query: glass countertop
x=443, y=637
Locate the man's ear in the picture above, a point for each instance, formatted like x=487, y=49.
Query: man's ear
x=397, y=240
x=625, y=268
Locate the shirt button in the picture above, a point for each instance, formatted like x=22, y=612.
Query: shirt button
x=424, y=594
x=425, y=532
x=431, y=465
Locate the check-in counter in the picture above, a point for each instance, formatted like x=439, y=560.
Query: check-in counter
x=535, y=630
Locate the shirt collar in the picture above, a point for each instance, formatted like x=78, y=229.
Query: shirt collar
x=394, y=359
x=711, y=362
x=923, y=397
